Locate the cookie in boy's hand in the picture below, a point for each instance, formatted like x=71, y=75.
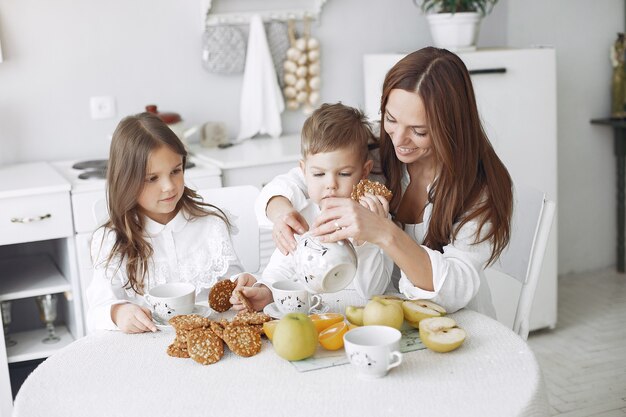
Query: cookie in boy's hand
x=244, y=300
x=219, y=297
x=372, y=187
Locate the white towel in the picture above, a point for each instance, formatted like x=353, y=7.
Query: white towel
x=261, y=97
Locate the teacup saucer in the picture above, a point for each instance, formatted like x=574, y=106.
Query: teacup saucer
x=199, y=309
x=273, y=311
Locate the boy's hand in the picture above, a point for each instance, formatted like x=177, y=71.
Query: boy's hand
x=258, y=297
x=285, y=226
x=131, y=318
x=376, y=204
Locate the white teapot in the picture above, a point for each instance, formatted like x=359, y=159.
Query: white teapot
x=174, y=122
x=324, y=267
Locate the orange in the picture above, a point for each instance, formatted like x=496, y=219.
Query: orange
x=269, y=327
x=323, y=321
x=331, y=338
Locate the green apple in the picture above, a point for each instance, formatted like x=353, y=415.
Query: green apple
x=393, y=298
x=295, y=337
x=354, y=315
x=441, y=334
x=417, y=310
x=383, y=312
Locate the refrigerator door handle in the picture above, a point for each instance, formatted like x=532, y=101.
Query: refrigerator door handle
x=501, y=70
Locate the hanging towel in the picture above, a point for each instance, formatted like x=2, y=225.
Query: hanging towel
x=261, y=97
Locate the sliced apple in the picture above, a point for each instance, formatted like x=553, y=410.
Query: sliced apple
x=441, y=334
x=416, y=310
x=354, y=315
x=393, y=298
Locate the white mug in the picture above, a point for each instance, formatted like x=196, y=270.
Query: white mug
x=373, y=350
x=325, y=267
x=169, y=300
x=292, y=297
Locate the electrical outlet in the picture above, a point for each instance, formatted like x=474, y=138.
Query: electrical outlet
x=102, y=107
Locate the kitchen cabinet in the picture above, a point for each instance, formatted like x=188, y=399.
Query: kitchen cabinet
x=37, y=257
x=254, y=162
x=516, y=95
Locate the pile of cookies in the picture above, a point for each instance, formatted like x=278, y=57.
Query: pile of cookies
x=372, y=187
x=203, y=340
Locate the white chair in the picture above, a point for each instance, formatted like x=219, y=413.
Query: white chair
x=238, y=204
x=522, y=259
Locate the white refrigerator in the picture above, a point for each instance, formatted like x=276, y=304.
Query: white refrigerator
x=516, y=94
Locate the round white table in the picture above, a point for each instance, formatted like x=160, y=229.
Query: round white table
x=108, y=374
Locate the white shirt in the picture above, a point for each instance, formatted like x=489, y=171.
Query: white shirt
x=198, y=251
x=459, y=278
x=374, y=268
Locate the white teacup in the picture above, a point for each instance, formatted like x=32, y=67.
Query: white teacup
x=292, y=297
x=373, y=350
x=173, y=299
x=325, y=267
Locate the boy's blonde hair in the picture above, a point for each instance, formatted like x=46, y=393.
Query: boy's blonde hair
x=336, y=126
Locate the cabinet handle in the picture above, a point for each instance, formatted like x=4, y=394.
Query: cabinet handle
x=487, y=71
x=30, y=219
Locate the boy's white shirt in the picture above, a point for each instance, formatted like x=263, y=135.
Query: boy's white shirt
x=374, y=268
x=459, y=278
x=198, y=251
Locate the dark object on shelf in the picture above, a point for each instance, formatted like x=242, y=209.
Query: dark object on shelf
x=92, y=164
x=93, y=174
x=619, y=149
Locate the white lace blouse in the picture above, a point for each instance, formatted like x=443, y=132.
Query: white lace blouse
x=198, y=251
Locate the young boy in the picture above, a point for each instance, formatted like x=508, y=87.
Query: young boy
x=334, y=159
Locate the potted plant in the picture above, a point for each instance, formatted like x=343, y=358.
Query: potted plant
x=454, y=24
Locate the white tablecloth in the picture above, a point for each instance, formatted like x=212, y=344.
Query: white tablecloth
x=109, y=374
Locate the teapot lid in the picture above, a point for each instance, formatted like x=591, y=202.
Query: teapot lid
x=168, y=118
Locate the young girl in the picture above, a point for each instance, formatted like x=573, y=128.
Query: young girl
x=159, y=231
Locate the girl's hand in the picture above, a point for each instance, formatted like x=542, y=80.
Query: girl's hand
x=131, y=318
x=285, y=226
x=258, y=297
x=342, y=218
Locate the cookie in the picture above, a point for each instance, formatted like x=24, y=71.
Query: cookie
x=176, y=351
x=244, y=300
x=246, y=317
x=220, y=295
x=189, y=322
x=218, y=328
x=372, y=187
x=242, y=340
x=204, y=346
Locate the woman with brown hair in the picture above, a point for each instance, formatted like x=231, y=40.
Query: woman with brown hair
x=158, y=229
x=452, y=195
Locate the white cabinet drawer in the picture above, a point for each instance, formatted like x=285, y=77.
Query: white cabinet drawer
x=201, y=183
x=35, y=217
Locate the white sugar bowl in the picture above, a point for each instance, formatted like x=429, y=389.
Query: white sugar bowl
x=324, y=267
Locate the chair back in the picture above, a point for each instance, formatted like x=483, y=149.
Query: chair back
x=523, y=257
x=237, y=202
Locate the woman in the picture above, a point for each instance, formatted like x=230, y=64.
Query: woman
x=452, y=194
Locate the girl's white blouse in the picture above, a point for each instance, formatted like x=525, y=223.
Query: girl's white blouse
x=197, y=250
x=458, y=273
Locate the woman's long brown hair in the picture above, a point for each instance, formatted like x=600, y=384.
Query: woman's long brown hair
x=133, y=140
x=472, y=183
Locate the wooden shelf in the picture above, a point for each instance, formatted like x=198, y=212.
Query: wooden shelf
x=30, y=276
x=29, y=345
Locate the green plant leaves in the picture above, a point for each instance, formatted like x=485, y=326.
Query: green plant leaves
x=483, y=7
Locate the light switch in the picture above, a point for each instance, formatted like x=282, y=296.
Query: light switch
x=102, y=107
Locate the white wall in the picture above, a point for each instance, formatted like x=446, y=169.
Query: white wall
x=57, y=54
x=581, y=32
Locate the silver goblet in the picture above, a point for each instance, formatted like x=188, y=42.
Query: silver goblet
x=6, y=322
x=47, y=305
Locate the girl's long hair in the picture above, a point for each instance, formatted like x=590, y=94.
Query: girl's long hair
x=133, y=141
x=472, y=183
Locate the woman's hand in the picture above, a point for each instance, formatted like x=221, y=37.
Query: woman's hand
x=258, y=297
x=131, y=318
x=342, y=218
x=287, y=222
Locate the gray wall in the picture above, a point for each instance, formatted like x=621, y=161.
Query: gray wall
x=582, y=32
x=57, y=54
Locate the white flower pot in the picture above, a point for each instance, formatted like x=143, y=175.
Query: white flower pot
x=454, y=31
